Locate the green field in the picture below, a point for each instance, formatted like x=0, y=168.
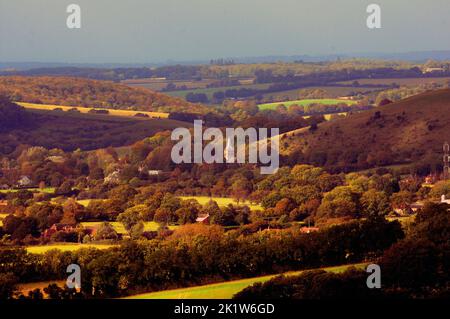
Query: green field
x=112, y=112
x=1, y=218
x=210, y=91
x=64, y=247
x=222, y=201
x=84, y=202
x=305, y=102
x=331, y=92
x=120, y=229
x=225, y=290
x=49, y=190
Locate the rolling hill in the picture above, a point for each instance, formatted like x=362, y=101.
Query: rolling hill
x=72, y=130
x=412, y=130
x=91, y=93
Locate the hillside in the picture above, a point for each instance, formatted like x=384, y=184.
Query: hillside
x=409, y=131
x=72, y=130
x=91, y=93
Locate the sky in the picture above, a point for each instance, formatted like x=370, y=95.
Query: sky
x=145, y=31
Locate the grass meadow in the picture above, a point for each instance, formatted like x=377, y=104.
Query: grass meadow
x=112, y=112
x=222, y=201
x=226, y=290
x=64, y=247
x=305, y=102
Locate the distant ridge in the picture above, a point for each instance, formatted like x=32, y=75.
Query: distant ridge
x=407, y=56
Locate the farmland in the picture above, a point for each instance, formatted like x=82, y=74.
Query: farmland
x=112, y=112
x=329, y=116
x=225, y=290
x=210, y=91
x=305, y=102
x=48, y=190
x=64, y=247
x=87, y=131
x=331, y=92
x=409, y=82
x=222, y=201
x=2, y=216
x=120, y=229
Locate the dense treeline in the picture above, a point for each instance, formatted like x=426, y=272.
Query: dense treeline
x=195, y=259
x=415, y=267
x=90, y=93
x=13, y=116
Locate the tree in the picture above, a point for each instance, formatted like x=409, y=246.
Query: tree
x=105, y=231
x=341, y=202
x=375, y=204
x=8, y=285
x=72, y=211
x=129, y=218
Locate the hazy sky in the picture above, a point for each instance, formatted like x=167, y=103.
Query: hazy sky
x=136, y=31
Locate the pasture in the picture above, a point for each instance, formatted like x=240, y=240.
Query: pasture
x=409, y=82
x=226, y=290
x=120, y=229
x=305, y=102
x=328, y=116
x=112, y=112
x=64, y=247
x=331, y=92
x=210, y=91
x=2, y=216
x=222, y=201
x=48, y=190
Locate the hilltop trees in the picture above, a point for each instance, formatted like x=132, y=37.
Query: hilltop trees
x=12, y=116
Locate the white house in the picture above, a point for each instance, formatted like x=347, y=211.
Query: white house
x=24, y=181
x=444, y=200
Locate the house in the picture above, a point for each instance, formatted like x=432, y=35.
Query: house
x=56, y=228
x=24, y=181
x=56, y=159
x=430, y=180
x=307, y=230
x=113, y=178
x=444, y=200
x=203, y=219
x=416, y=206
x=431, y=70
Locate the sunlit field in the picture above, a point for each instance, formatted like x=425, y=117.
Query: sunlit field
x=64, y=247
x=112, y=112
x=120, y=229
x=226, y=290
x=222, y=201
x=49, y=190
x=305, y=102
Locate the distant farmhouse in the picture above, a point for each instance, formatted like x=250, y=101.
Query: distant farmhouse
x=24, y=181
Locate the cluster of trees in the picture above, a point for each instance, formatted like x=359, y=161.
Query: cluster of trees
x=415, y=267
x=194, y=257
x=118, y=183
x=401, y=93
x=90, y=93
x=13, y=116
